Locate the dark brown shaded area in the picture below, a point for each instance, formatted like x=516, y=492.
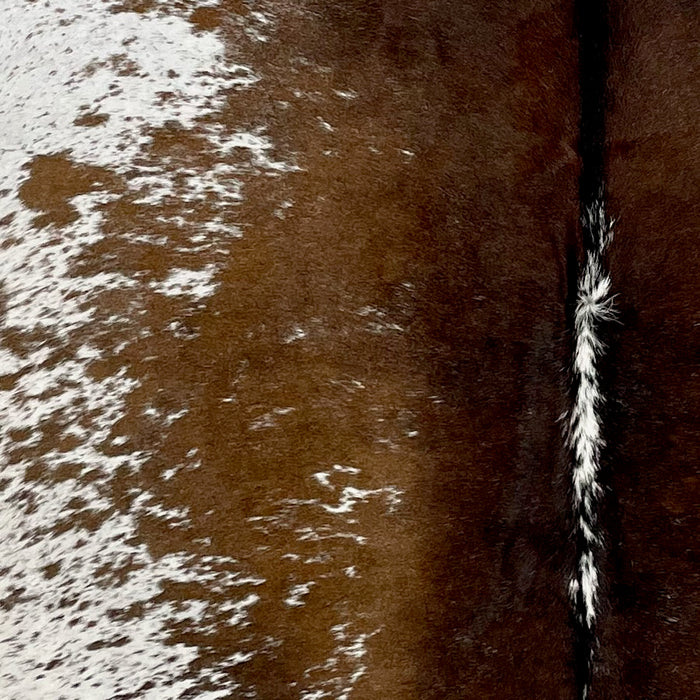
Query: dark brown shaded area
x=649, y=634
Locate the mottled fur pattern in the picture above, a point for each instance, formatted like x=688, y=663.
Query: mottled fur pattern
x=294, y=299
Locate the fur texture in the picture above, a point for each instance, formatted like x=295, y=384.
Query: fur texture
x=289, y=295
x=593, y=308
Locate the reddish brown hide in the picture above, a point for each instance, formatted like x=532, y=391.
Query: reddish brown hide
x=425, y=256
x=375, y=393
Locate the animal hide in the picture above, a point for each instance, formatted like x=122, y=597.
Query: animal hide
x=349, y=349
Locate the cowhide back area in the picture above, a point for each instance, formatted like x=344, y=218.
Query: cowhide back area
x=303, y=394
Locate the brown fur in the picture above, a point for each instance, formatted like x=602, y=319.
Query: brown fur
x=425, y=251
x=648, y=634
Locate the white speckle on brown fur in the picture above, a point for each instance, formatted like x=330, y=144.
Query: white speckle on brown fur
x=593, y=307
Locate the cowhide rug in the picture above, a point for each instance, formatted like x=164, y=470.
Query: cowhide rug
x=349, y=349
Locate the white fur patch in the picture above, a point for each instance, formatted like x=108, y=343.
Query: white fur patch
x=594, y=306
